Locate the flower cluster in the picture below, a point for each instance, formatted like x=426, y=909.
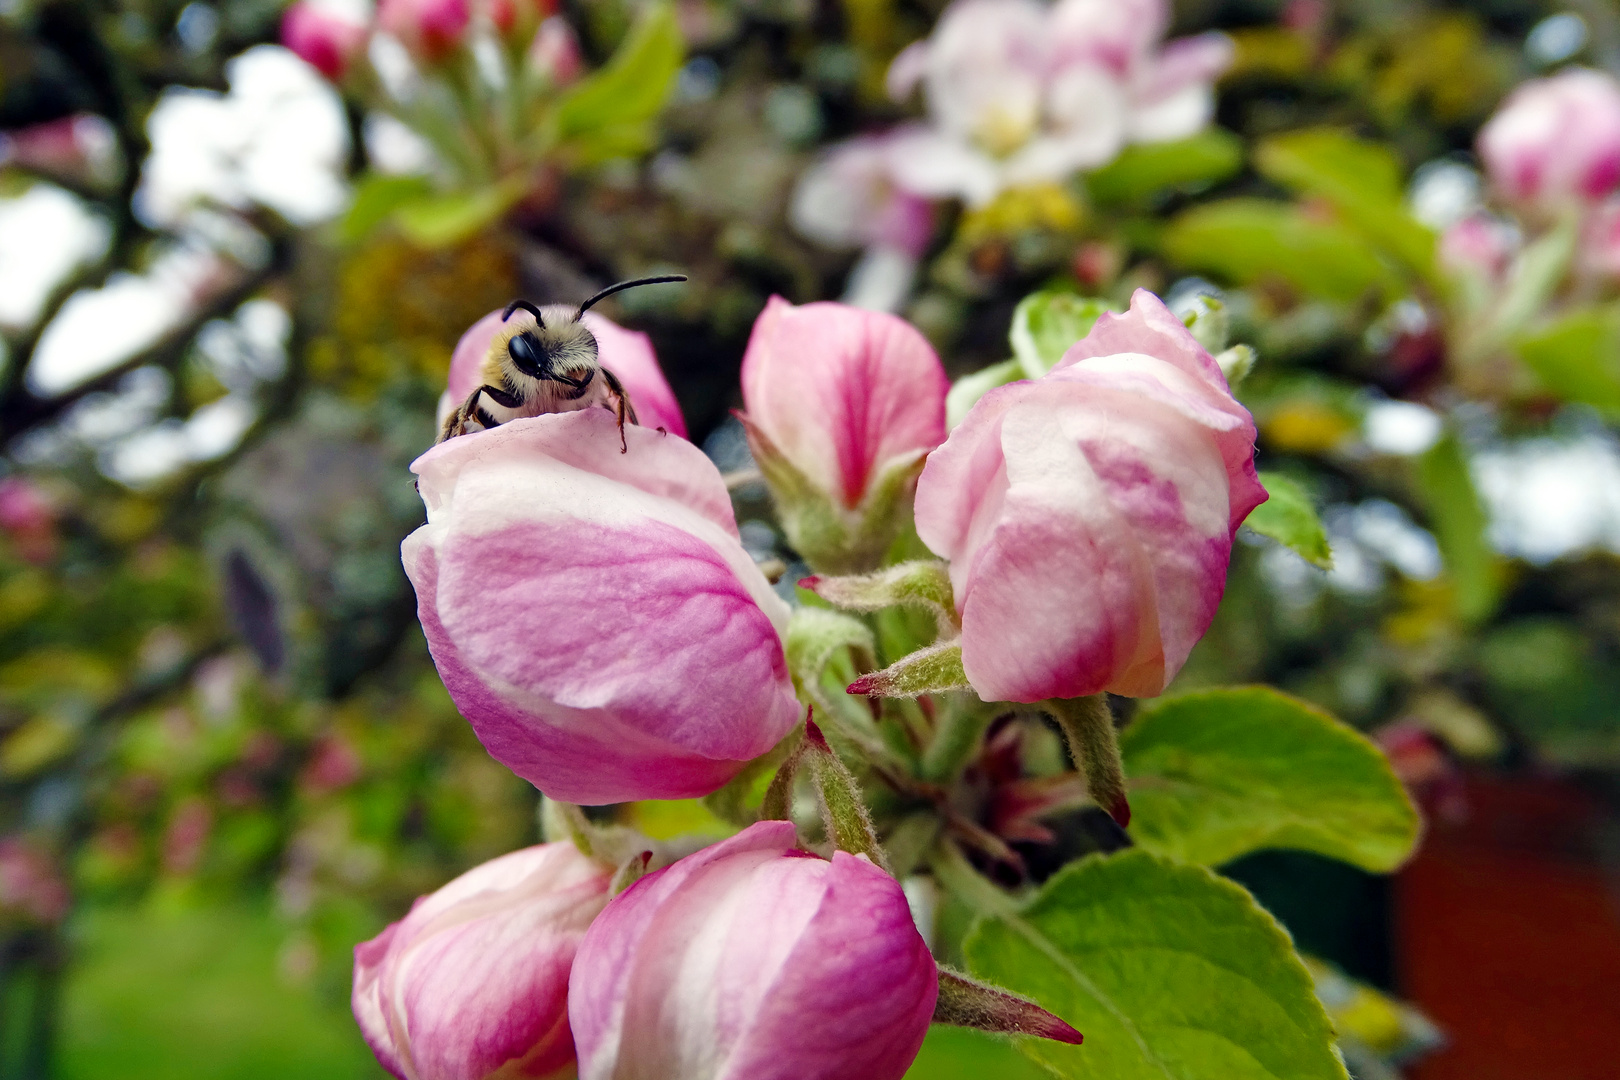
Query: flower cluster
x=461, y=91
x=1018, y=93
x=1552, y=157
x=598, y=621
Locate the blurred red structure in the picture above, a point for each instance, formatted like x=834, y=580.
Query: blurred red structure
x=1509, y=934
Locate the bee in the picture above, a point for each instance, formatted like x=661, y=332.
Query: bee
x=544, y=360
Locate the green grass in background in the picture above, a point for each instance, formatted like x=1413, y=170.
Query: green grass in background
x=197, y=994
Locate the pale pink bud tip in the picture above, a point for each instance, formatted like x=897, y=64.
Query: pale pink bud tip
x=810, y=582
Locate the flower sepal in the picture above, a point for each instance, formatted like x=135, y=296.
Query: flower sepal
x=966, y=1002
x=830, y=537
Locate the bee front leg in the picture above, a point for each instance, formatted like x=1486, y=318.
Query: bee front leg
x=624, y=410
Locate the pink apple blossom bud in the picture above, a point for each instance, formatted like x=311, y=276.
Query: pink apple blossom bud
x=1088, y=515
x=753, y=958
x=555, y=51
x=32, y=890
x=1555, y=141
x=430, y=29
x=849, y=199
x=1480, y=245
x=593, y=613
x=1115, y=34
x=28, y=518
x=323, y=39
x=627, y=353
x=842, y=404
x=516, y=19
x=473, y=983
x=82, y=147
x=1599, y=251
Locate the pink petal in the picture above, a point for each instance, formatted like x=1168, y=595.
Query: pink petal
x=842, y=392
x=629, y=355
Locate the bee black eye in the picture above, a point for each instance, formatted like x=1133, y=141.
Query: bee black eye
x=528, y=354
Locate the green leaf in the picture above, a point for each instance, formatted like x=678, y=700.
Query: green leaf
x=1289, y=518
x=443, y=220
x=1248, y=240
x=1145, y=169
x=1359, y=179
x=1171, y=972
x=966, y=391
x=1046, y=323
x=1577, y=357
x=1219, y=773
x=630, y=88
x=953, y=1053
x=375, y=199
x=1458, y=520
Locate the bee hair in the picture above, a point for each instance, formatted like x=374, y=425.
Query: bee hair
x=526, y=306
x=611, y=289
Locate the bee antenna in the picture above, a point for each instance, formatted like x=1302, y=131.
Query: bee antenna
x=526, y=306
x=621, y=286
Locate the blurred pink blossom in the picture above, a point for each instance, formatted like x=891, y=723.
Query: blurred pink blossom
x=323, y=39
x=849, y=199
x=593, y=613
x=627, y=353
x=81, y=147
x=1022, y=93
x=27, y=516
x=1480, y=245
x=555, y=51
x=754, y=958
x=1599, y=251
x=430, y=29
x=32, y=890
x=1088, y=515
x=473, y=983
x=1555, y=142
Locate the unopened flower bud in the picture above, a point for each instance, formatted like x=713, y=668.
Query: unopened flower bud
x=473, y=983
x=842, y=405
x=593, y=613
x=430, y=29
x=323, y=39
x=1088, y=515
x=753, y=958
x=1556, y=141
x=555, y=51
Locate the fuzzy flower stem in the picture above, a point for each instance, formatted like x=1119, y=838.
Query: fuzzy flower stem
x=1088, y=727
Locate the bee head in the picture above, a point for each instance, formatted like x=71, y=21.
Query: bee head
x=529, y=354
x=563, y=349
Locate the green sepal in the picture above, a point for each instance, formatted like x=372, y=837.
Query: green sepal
x=921, y=583
x=1045, y=324
x=843, y=807
x=926, y=671
x=1209, y=323
x=966, y=1002
x=1088, y=728
x=834, y=539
